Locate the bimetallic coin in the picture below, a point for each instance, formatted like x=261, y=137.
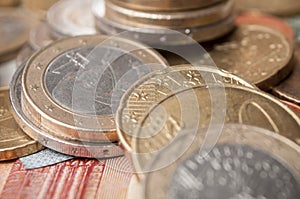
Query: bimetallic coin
x=44, y=136
x=258, y=54
x=14, y=31
x=164, y=5
x=40, y=36
x=70, y=18
x=289, y=88
x=246, y=162
x=177, y=20
x=164, y=121
x=73, y=86
x=164, y=36
x=276, y=7
x=266, y=20
x=156, y=86
x=14, y=143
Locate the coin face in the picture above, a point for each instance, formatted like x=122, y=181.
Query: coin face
x=75, y=84
x=246, y=162
x=70, y=18
x=14, y=142
x=46, y=138
x=289, y=88
x=181, y=19
x=258, y=54
x=13, y=31
x=153, y=88
x=192, y=108
x=266, y=20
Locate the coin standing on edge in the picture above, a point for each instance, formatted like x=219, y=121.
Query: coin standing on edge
x=156, y=86
x=258, y=54
x=246, y=162
x=70, y=86
x=14, y=143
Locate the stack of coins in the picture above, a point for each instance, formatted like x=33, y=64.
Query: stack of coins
x=148, y=21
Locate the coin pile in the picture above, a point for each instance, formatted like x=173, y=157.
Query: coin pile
x=200, y=123
x=150, y=21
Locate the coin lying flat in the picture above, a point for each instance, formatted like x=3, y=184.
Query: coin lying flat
x=258, y=54
x=277, y=7
x=164, y=5
x=156, y=86
x=193, y=108
x=14, y=143
x=70, y=18
x=163, y=36
x=289, y=88
x=40, y=36
x=182, y=19
x=38, y=132
x=14, y=32
x=246, y=162
x=266, y=20
x=70, y=86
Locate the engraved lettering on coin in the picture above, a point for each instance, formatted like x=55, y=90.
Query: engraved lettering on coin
x=234, y=172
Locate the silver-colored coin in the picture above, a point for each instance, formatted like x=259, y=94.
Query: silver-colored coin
x=72, y=17
x=246, y=162
x=65, y=146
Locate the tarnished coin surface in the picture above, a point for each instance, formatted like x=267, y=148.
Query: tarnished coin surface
x=164, y=5
x=289, y=89
x=66, y=146
x=14, y=31
x=14, y=143
x=40, y=36
x=156, y=86
x=177, y=112
x=246, y=162
x=258, y=54
x=182, y=19
x=74, y=85
x=71, y=17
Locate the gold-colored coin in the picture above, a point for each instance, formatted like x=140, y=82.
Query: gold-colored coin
x=69, y=87
x=14, y=143
x=153, y=88
x=164, y=5
x=196, y=108
x=183, y=19
x=258, y=54
x=242, y=158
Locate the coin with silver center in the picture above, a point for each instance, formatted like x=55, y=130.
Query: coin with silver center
x=42, y=135
x=72, y=84
x=246, y=162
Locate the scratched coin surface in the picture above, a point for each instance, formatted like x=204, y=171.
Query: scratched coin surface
x=71, y=17
x=14, y=31
x=180, y=19
x=164, y=5
x=36, y=131
x=14, y=143
x=243, y=105
x=246, y=162
x=71, y=84
x=289, y=88
x=258, y=54
x=156, y=86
